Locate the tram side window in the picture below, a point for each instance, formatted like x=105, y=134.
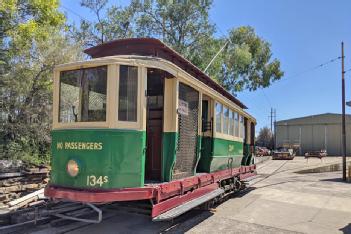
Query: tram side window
x=128, y=93
x=236, y=124
x=219, y=110
x=242, y=129
x=83, y=95
x=231, y=123
x=225, y=120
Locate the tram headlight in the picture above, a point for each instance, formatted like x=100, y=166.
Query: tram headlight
x=72, y=168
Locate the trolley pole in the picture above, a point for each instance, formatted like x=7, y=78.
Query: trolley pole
x=343, y=114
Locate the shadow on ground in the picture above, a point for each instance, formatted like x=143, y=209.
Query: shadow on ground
x=346, y=229
x=194, y=217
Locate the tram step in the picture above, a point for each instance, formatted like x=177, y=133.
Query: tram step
x=175, y=212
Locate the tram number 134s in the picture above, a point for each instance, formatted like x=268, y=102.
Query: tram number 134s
x=93, y=180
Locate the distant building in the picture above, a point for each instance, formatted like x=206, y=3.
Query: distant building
x=314, y=132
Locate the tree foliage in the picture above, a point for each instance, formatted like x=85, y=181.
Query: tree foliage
x=245, y=63
x=33, y=41
x=112, y=23
x=265, y=138
x=34, y=38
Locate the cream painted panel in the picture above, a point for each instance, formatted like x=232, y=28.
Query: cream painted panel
x=55, y=99
x=228, y=137
x=112, y=98
x=162, y=64
x=199, y=120
x=143, y=100
x=170, y=122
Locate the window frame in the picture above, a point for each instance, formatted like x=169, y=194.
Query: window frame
x=231, y=122
x=236, y=124
x=221, y=117
x=242, y=126
x=80, y=97
x=225, y=120
x=141, y=86
x=137, y=92
x=56, y=99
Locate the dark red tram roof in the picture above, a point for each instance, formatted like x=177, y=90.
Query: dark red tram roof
x=156, y=48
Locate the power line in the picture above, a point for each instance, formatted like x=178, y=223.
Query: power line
x=75, y=13
x=267, y=99
x=311, y=69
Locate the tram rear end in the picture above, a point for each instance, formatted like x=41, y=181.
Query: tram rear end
x=87, y=152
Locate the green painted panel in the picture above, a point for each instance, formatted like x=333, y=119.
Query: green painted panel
x=223, y=147
x=221, y=163
x=206, y=155
x=218, y=154
x=117, y=154
x=169, y=154
x=247, y=155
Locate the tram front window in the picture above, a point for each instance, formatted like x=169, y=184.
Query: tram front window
x=83, y=95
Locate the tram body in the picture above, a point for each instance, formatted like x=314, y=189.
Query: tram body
x=138, y=122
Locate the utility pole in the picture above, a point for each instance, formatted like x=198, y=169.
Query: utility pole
x=275, y=129
x=271, y=117
x=343, y=114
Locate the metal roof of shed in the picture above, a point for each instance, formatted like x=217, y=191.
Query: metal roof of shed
x=156, y=48
x=325, y=118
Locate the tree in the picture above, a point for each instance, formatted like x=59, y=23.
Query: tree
x=265, y=138
x=34, y=41
x=245, y=63
x=184, y=25
x=112, y=23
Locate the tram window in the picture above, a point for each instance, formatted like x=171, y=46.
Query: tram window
x=128, y=93
x=242, y=126
x=236, y=124
x=231, y=123
x=219, y=109
x=225, y=120
x=83, y=95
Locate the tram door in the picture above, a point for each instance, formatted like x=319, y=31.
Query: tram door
x=187, y=153
x=154, y=124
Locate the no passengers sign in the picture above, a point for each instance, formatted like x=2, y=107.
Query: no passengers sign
x=183, y=107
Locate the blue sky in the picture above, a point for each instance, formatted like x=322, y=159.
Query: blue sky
x=303, y=34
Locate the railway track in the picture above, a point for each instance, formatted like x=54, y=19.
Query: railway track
x=46, y=213
x=51, y=215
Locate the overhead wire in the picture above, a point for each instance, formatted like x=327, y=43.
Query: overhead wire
x=304, y=72
x=75, y=13
x=310, y=69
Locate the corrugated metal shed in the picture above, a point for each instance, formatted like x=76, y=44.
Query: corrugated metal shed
x=314, y=132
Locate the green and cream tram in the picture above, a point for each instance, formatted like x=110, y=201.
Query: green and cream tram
x=138, y=114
